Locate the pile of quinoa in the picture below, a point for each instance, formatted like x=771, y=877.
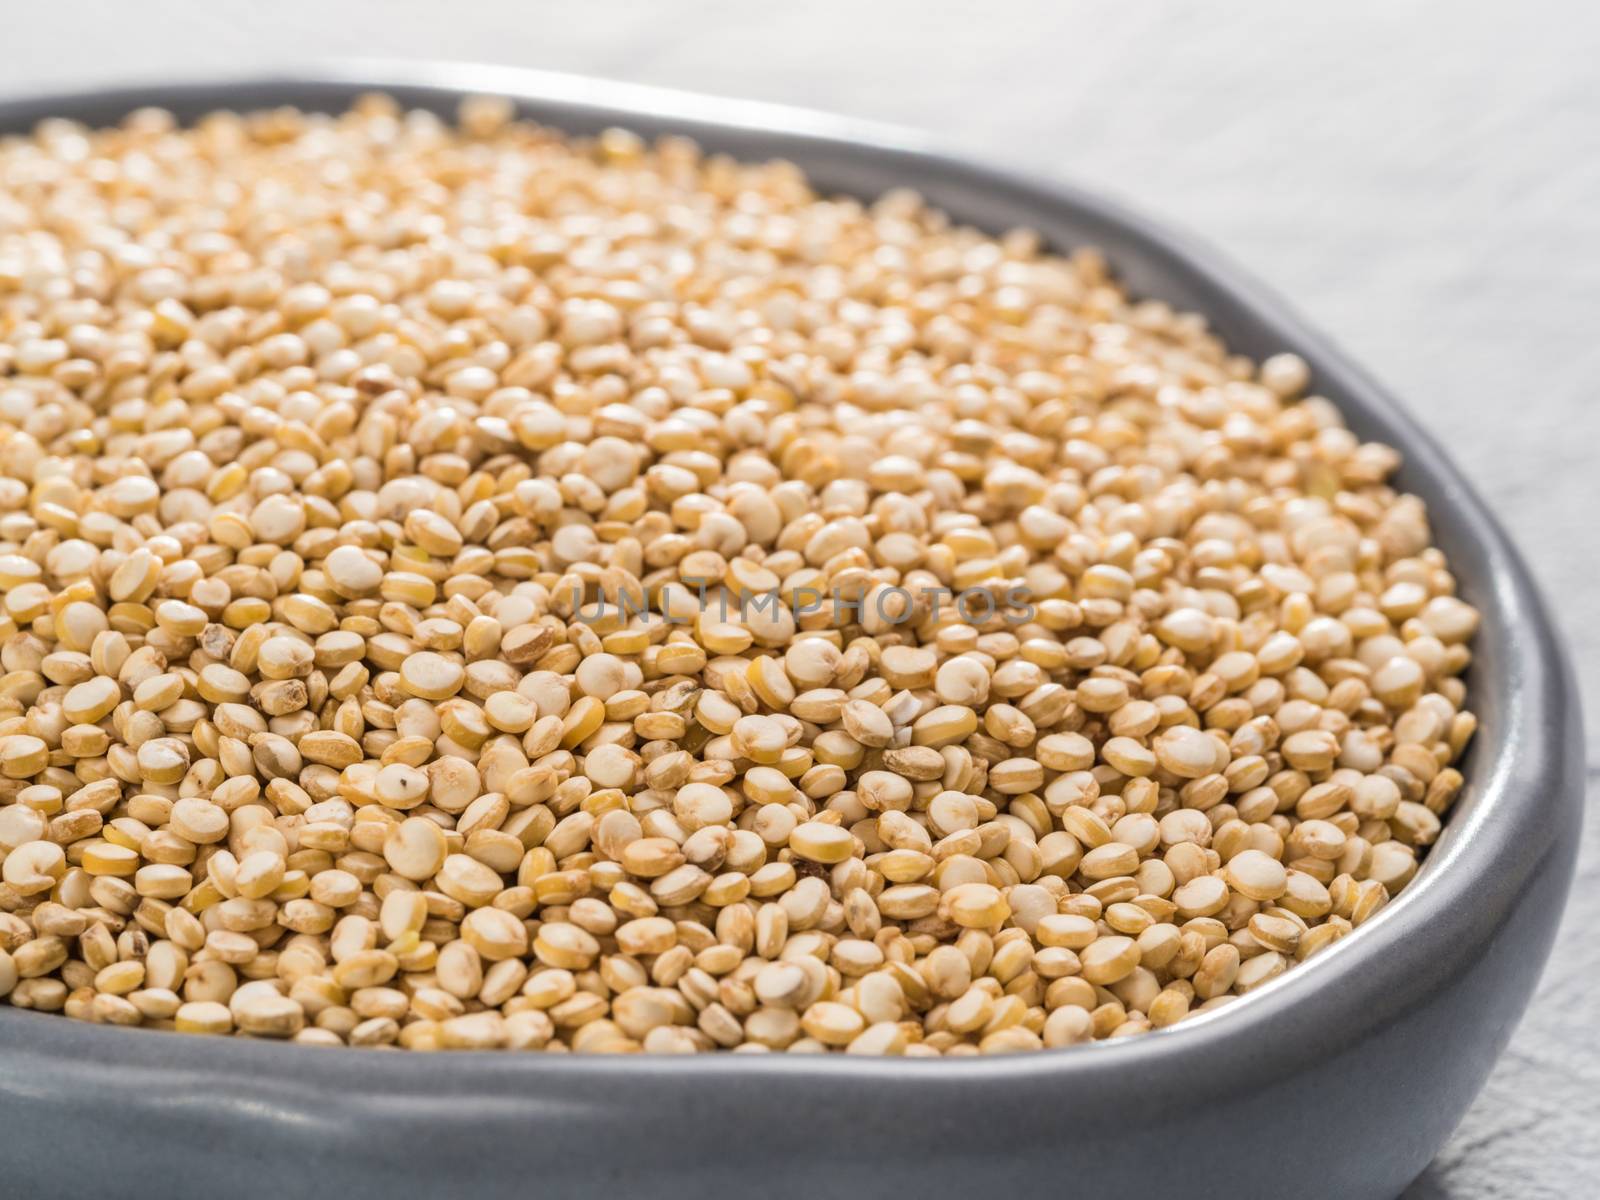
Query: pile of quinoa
x=381, y=504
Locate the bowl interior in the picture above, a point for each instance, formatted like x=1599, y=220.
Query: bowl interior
x=1512, y=689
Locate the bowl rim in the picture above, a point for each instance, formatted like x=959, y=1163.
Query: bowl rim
x=1529, y=780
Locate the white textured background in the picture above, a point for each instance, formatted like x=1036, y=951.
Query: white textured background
x=1423, y=178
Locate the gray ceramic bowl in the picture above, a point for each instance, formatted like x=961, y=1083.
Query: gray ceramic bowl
x=1340, y=1079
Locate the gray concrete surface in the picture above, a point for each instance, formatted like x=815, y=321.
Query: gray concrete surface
x=1422, y=178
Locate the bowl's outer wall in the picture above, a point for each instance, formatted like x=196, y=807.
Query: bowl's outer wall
x=1340, y=1079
